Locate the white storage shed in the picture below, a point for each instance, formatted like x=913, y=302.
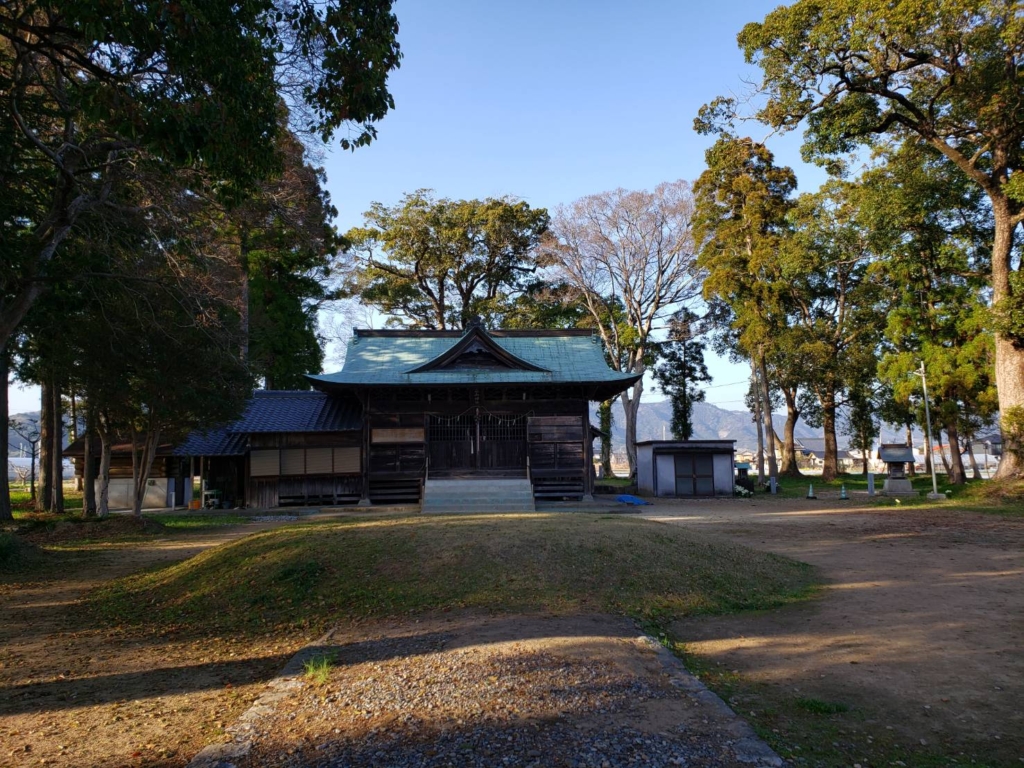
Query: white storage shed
x=686, y=468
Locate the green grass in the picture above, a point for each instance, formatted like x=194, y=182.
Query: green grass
x=311, y=576
x=975, y=496
x=318, y=669
x=819, y=707
x=195, y=522
x=21, y=498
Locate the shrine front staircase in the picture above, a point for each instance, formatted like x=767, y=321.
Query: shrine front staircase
x=477, y=495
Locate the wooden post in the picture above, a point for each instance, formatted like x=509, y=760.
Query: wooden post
x=364, y=465
x=588, y=454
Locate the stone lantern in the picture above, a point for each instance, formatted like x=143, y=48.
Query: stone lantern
x=896, y=456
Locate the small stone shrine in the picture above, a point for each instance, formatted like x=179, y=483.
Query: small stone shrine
x=896, y=456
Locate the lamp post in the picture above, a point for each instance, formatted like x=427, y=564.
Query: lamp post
x=928, y=433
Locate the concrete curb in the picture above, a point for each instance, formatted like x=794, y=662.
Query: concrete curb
x=746, y=744
x=243, y=731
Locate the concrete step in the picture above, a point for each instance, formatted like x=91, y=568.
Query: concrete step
x=478, y=495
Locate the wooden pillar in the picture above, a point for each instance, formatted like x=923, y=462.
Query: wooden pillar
x=588, y=454
x=364, y=464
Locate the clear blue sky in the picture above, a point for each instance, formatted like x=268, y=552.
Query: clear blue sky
x=550, y=101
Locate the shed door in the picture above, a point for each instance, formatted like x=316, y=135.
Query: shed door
x=695, y=474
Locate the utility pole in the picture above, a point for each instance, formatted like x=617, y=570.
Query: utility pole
x=928, y=433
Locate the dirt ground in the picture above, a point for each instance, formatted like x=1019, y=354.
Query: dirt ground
x=78, y=694
x=919, y=629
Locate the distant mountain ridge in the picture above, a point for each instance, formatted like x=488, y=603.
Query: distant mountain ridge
x=713, y=423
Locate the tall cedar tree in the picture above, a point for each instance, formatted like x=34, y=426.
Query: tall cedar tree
x=948, y=74
x=837, y=299
x=437, y=263
x=929, y=224
x=742, y=202
x=628, y=256
x=285, y=243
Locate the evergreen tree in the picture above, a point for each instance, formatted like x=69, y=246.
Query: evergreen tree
x=742, y=202
x=680, y=368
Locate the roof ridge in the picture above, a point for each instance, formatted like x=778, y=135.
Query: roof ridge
x=418, y=333
x=286, y=393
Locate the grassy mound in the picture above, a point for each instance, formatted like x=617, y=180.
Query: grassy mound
x=15, y=552
x=313, y=575
x=42, y=528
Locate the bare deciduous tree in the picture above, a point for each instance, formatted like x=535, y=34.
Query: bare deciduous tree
x=629, y=257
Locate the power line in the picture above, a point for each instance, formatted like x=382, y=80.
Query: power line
x=733, y=384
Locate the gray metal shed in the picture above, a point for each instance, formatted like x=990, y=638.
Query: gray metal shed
x=686, y=468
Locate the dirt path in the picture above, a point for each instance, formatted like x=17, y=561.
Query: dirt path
x=919, y=629
x=81, y=693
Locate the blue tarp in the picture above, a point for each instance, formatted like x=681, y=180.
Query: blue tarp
x=634, y=501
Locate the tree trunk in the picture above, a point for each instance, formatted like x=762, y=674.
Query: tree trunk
x=45, y=495
x=910, y=441
x=766, y=415
x=942, y=453
x=57, y=433
x=830, y=465
x=630, y=406
x=789, y=466
x=103, y=500
x=6, y=513
x=32, y=473
x=975, y=469
x=88, y=469
x=58, y=224
x=73, y=435
x=957, y=474
x=604, y=412
x=243, y=304
x=759, y=425
x=143, y=452
x=1009, y=357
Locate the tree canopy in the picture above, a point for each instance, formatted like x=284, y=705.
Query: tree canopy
x=91, y=92
x=948, y=74
x=437, y=263
x=628, y=257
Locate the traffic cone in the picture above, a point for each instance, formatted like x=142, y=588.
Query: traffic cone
x=842, y=493
x=810, y=492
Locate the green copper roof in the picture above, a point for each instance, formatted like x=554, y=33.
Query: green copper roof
x=389, y=358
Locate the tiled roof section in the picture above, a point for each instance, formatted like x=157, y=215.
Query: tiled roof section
x=77, y=448
x=382, y=358
x=288, y=411
x=816, y=445
x=212, y=442
x=895, y=453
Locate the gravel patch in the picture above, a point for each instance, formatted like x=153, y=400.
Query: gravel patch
x=496, y=693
